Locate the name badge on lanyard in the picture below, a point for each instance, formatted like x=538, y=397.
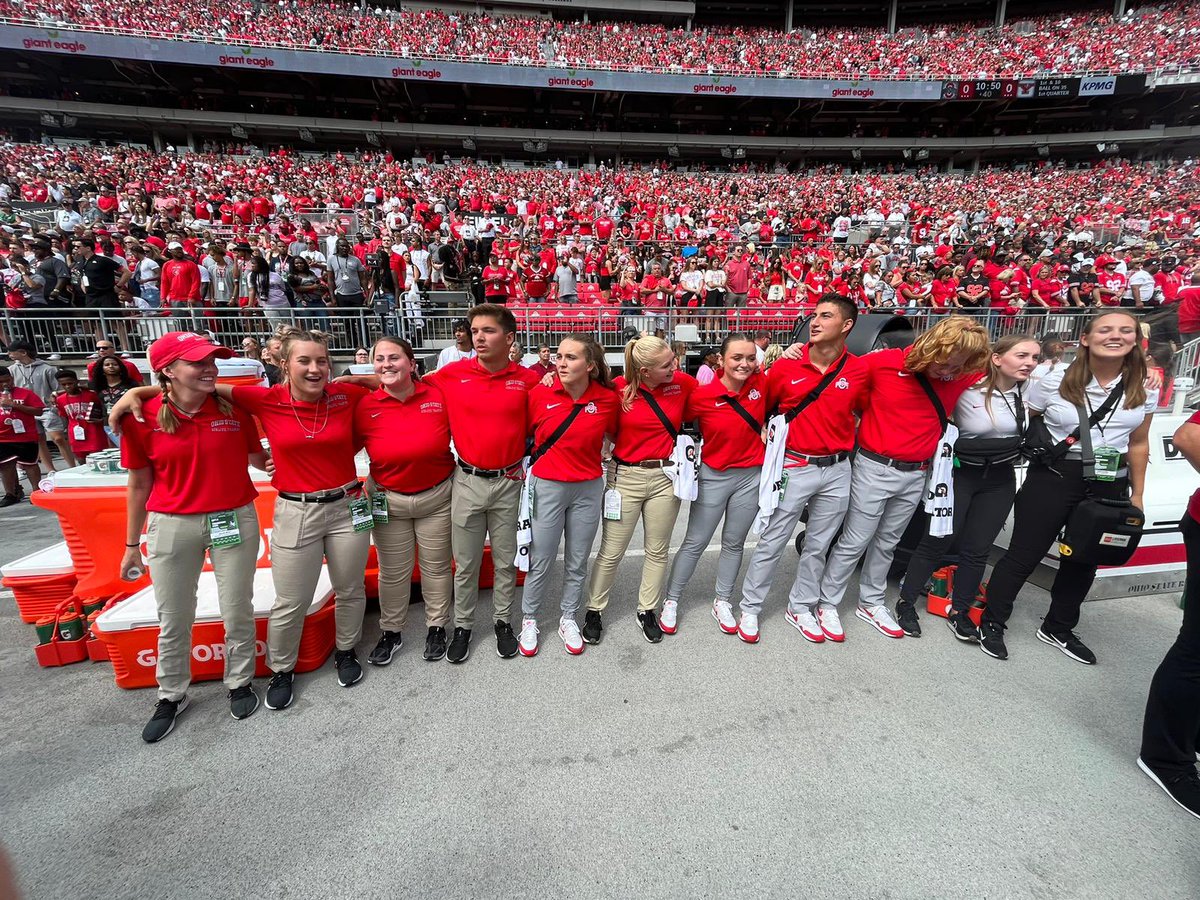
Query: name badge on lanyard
x=612, y=505
x=361, y=516
x=379, y=508
x=1108, y=461
x=223, y=530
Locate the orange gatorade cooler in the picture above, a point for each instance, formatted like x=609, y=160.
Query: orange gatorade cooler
x=240, y=371
x=40, y=581
x=130, y=630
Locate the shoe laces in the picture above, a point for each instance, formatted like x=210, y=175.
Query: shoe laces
x=240, y=692
x=164, y=707
x=529, y=625
x=279, y=678
x=569, y=628
x=344, y=656
x=649, y=618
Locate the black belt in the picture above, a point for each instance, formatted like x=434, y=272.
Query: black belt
x=820, y=461
x=899, y=465
x=646, y=463
x=488, y=473
x=323, y=496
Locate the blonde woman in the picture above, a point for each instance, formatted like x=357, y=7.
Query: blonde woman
x=188, y=476
x=654, y=394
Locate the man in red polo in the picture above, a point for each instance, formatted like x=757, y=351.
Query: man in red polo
x=488, y=412
x=899, y=433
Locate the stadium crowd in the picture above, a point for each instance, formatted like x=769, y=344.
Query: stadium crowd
x=1084, y=42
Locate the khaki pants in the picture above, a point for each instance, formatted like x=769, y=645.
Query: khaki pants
x=175, y=547
x=647, y=494
x=484, y=506
x=421, y=522
x=306, y=534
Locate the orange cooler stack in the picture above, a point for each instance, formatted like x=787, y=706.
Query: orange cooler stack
x=40, y=581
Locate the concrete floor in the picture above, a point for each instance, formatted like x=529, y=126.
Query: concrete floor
x=698, y=767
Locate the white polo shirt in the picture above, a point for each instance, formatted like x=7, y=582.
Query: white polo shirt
x=976, y=418
x=1061, y=418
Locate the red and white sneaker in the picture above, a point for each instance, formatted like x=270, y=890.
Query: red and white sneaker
x=722, y=611
x=748, y=628
x=881, y=617
x=568, y=630
x=830, y=622
x=528, y=644
x=668, y=619
x=806, y=623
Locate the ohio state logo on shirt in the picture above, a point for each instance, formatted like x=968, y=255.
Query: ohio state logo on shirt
x=672, y=389
x=515, y=384
x=754, y=394
x=431, y=406
x=225, y=425
x=590, y=409
x=841, y=384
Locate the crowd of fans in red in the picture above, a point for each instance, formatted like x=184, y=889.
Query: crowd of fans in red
x=1085, y=42
x=640, y=238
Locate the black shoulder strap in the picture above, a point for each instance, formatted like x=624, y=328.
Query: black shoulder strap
x=539, y=452
x=658, y=411
x=755, y=425
x=812, y=395
x=934, y=399
x=1101, y=411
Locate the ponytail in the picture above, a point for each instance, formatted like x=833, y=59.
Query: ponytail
x=639, y=353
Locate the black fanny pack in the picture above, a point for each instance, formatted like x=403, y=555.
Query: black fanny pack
x=988, y=451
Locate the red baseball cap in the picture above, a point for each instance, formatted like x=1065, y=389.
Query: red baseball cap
x=184, y=345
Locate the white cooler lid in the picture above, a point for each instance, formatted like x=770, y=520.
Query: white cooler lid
x=141, y=610
x=54, y=560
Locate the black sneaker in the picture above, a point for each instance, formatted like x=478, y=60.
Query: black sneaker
x=907, y=619
x=435, y=643
x=348, y=670
x=963, y=628
x=1183, y=788
x=460, y=646
x=592, y=626
x=163, y=720
x=389, y=643
x=650, y=628
x=506, y=641
x=243, y=702
x=991, y=640
x=279, y=691
x=1069, y=643
x=9, y=500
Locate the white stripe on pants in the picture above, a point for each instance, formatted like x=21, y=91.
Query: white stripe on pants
x=304, y=536
x=882, y=503
x=732, y=494
x=561, y=507
x=649, y=495
x=826, y=493
x=175, y=547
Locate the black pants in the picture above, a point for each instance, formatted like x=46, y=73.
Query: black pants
x=1042, y=508
x=982, y=498
x=1171, y=730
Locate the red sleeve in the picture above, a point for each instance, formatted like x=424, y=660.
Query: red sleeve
x=166, y=276
x=250, y=396
x=29, y=398
x=133, y=453
x=134, y=372
x=250, y=430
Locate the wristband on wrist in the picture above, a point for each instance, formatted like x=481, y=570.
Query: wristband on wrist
x=132, y=546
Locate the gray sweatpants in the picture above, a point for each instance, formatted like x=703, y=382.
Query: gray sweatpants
x=732, y=494
x=882, y=502
x=572, y=507
x=826, y=494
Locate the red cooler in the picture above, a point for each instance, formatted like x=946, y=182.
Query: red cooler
x=40, y=581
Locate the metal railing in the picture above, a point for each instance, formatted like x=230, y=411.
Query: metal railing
x=532, y=63
x=70, y=335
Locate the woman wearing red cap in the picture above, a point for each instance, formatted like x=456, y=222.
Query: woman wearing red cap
x=188, y=475
x=321, y=513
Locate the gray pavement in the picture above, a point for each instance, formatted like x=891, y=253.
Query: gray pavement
x=698, y=767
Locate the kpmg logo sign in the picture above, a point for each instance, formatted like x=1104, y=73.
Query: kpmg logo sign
x=1097, y=87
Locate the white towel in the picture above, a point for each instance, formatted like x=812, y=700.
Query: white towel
x=686, y=471
x=939, y=489
x=770, y=480
x=524, y=521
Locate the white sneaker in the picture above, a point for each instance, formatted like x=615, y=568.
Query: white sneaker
x=668, y=620
x=806, y=623
x=881, y=617
x=748, y=628
x=528, y=645
x=722, y=611
x=830, y=622
x=568, y=630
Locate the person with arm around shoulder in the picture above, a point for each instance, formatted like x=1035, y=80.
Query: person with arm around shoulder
x=190, y=487
x=1109, y=362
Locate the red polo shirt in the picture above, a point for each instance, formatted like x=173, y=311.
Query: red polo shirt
x=420, y=459
x=575, y=456
x=641, y=434
x=729, y=441
x=28, y=430
x=827, y=426
x=306, y=464
x=488, y=415
x=899, y=420
x=202, y=467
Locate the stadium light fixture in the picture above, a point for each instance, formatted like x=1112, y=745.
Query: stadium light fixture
x=469, y=145
x=49, y=121
x=922, y=154
x=239, y=132
x=739, y=152
x=727, y=152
